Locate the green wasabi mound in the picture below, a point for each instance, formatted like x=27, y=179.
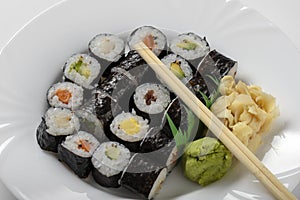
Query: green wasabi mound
x=206, y=160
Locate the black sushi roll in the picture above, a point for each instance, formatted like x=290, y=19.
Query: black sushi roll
x=109, y=161
x=108, y=49
x=55, y=126
x=217, y=65
x=65, y=95
x=153, y=38
x=143, y=176
x=128, y=129
x=210, y=71
x=167, y=156
x=82, y=69
x=76, y=151
x=115, y=88
x=191, y=47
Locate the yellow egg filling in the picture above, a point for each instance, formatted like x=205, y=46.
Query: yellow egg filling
x=130, y=126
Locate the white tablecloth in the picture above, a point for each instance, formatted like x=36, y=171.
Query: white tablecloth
x=14, y=14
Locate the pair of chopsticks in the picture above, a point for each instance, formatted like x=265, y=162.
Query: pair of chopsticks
x=239, y=150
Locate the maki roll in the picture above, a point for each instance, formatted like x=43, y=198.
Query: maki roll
x=143, y=176
x=76, y=151
x=91, y=124
x=65, y=95
x=151, y=98
x=107, y=48
x=153, y=38
x=82, y=69
x=55, y=126
x=210, y=71
x=179, y=66
x=190, y=46
x=109, y=160
x=128, y=129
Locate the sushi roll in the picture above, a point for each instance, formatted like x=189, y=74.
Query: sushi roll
x=109, y=161
x=55, y=126
x=76, y=151
x=107, y=48
x=179, y=66
x=153, y=38
x=143, y=176
x=82, y=69
x=210, y=71
x=151, y=98
x=190, y=46
x=65, y=95
x=91, y=124
x=128, y=129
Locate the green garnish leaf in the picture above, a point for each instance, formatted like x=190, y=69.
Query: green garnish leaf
x=187, y=45
x=183, y=137
x=208, y=101
x=214, y=95
x=215, y=80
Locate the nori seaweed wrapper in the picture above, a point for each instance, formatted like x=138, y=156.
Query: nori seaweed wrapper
x=155, y=139
x=217, y=65
x=45, y=140
x=81, y=166
x=141, y=174
x=211, y=70
x=112, y=181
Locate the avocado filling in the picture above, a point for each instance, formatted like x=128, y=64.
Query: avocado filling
x=187, y=45
x=176, y=69
x=130, y=126
x=112, y=152
x=81, y=68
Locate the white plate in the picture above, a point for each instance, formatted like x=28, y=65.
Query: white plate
x=32, y=60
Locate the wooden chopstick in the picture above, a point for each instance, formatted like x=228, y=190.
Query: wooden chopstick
x=239, y=150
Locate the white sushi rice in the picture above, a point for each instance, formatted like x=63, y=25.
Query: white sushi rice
x=91, y=63
x=90, y=123
x=107, y=46
x=160, y=93
x=72, y=143
x=201, y=50
x=75, y=100
x=184, y=65
x=158, y=182
x=61, y=121
x=107, y=166
x=115, y=127
x=139, y=34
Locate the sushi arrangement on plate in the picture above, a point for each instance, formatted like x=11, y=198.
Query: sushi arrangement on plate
x=111, y=117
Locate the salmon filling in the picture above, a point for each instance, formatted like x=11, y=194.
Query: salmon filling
x=63, y=95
